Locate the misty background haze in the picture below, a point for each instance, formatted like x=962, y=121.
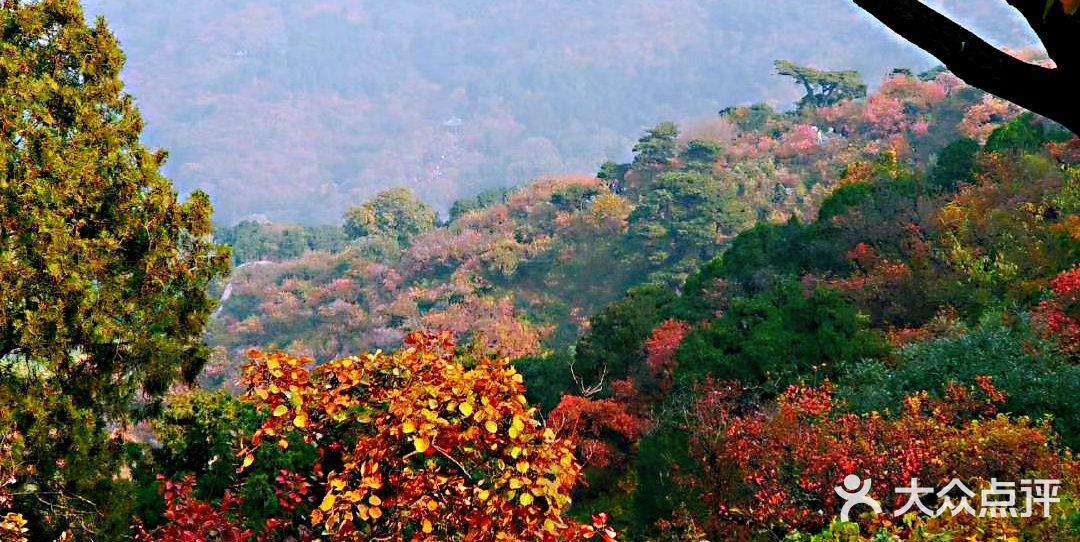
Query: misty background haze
x=296, y=110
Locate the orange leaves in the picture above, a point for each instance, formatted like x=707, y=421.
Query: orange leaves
x=516, y=428
x=422, y=445
x=13, y=528
x=466, y=409
x=300, y=421
x=328, y=502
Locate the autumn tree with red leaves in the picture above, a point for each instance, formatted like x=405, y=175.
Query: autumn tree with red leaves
x=660, y=349
x=192, y=520
x=601, y=427
x=1059, y=317
x=790, y=458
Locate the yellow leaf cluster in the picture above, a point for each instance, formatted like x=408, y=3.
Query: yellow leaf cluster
x=439, y=449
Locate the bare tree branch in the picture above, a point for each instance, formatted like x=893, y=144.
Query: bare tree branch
x=588, y=391
x=1059, y=33
x=1049, y=92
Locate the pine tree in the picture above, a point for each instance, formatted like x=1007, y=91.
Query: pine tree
x=103, y=269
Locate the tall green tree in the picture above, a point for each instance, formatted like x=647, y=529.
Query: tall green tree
x=779, y=337
x=487, y=198
x=700, y=154
x=955, y=163
x=103, y=269
x=657, y=147
x=686, y=217
x=395, y=213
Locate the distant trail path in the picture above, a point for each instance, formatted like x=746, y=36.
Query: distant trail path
x=227, y=293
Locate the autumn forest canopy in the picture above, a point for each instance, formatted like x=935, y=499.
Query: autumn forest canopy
x=440, y=285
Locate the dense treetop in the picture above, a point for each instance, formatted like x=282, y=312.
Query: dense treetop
x=104, y=269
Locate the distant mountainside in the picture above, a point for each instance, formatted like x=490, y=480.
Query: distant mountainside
x=297, y=109
x=527, y=269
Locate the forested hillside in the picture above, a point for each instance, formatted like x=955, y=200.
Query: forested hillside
x=856, y=319
x=527, y=268
x=864, y=285
x=322, y=103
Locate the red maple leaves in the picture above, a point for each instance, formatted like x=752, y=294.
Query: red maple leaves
x=790, y=458
x=192, y=520
x=1058, y=316
x=660, y=349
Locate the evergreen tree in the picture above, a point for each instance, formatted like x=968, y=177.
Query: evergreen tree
x=700, y=155
x=955, y=163
x=686, y=216
x=823, y=88
x=657, y=147
x=103, y=269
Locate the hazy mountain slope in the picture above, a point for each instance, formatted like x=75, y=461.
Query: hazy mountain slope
x=529, y=271
x=297, y=109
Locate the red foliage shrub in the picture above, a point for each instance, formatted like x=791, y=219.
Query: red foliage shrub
x=1059, y=317
x=601, y=427
x=790, y=458
x=660, y=349
x=192, y=520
